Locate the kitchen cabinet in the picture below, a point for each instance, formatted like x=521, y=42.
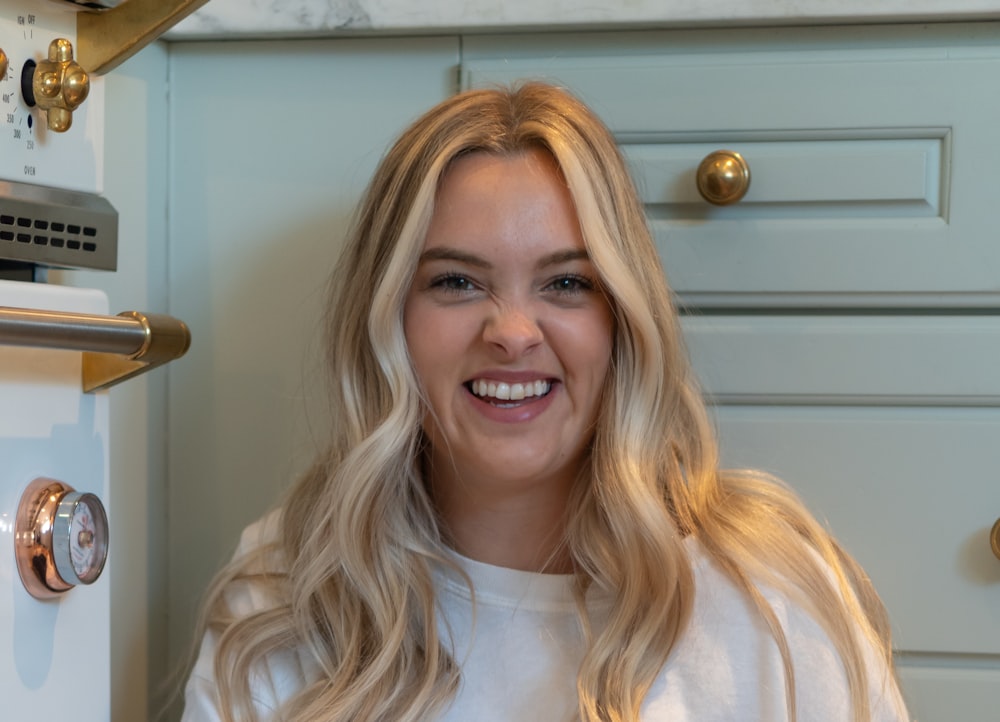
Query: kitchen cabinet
x=867, y=150
x=844, y=316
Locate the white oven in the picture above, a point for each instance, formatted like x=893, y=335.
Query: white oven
x=59, y=353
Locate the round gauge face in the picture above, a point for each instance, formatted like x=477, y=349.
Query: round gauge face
x=61, y=538
x=87, y=540
x=80, y=538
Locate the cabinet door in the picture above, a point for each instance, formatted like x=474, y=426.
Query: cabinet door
x=912, y=493
x=887, y=426
x=867, y=156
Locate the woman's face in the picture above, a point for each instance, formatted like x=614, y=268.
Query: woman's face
x=508, y=329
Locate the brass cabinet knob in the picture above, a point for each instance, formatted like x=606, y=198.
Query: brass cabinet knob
x=995, y=538
x=59, y=85
x=723, y=177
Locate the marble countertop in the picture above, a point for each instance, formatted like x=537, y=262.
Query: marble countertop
x=266, y=18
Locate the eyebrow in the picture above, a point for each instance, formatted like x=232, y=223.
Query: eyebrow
x=444, y=253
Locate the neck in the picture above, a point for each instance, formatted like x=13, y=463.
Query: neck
x=524, y=531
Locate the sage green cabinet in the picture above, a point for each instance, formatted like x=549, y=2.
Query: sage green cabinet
x=844, y=316
x=871, y=154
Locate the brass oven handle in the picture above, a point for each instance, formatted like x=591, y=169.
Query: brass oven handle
x=723, y=177
x=107, y=38
x=115, y=348
x=995, y=538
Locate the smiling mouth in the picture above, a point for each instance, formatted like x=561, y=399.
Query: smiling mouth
x=498, y=391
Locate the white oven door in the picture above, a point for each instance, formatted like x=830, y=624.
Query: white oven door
x=54, y=653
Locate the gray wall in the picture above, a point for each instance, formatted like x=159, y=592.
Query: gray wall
x=271, y=144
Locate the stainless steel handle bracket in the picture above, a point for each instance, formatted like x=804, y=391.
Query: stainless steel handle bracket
x=115, y=348
x=166, y=339
x=107, y=38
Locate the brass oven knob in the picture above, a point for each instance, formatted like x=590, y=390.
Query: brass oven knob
x=59, y=85
x=723, y=177
x=995, y=538
x=3, y=64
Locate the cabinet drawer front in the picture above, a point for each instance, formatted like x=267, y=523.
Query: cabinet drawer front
x=964, y=691
x=926, y=360
x=867, y=165
x=911, y=492
x=841, y=173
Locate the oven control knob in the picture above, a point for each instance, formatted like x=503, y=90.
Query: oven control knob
x=3, y=64
x=61, y=538
x=59, y=85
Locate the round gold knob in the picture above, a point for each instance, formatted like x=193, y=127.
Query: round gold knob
x=59, y=85
x=995, y=539
x=3, y=64
x=723, y=177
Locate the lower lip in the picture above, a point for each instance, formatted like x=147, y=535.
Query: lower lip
x=523, y=410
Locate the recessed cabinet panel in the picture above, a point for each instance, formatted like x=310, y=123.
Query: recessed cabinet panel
x=907, y=491
x=861, y=178
x=869, y=165
x=913, y=360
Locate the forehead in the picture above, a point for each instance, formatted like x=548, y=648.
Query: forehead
x=487, y=198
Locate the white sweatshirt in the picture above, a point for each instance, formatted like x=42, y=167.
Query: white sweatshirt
x=519, y=663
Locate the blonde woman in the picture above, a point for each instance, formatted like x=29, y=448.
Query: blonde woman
x=520, y=515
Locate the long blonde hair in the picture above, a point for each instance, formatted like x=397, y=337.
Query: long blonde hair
x=359, y=533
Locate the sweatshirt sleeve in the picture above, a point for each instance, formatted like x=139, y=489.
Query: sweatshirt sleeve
x=727, y=666
x=201, y=700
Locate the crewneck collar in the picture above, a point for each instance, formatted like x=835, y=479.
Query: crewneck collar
x=500, y=586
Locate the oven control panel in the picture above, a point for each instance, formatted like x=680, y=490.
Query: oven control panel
x=51, y=109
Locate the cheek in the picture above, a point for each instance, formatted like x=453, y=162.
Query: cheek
x=598, y=352
x=417, y=328
x=433, y=343
x=595, y=341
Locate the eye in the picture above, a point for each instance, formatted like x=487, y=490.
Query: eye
x=571, y=284
x=453, y=283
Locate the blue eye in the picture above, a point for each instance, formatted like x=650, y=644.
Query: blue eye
x=571, y=283
x=454, y=282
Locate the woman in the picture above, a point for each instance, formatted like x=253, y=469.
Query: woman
x=520, y=515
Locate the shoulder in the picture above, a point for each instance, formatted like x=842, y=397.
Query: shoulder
x=264, y=532
x=727, y=665
x=257, y=588
x=261, y=564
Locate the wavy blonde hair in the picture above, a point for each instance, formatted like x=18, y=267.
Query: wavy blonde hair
x=360, y=531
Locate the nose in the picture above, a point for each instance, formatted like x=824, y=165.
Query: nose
x=513, y=330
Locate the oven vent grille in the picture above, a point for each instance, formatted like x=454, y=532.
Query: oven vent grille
x=57, y=228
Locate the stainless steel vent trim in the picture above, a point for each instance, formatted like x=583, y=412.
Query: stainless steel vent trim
x=56, y=227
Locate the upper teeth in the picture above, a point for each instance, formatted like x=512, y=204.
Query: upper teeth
x=513, y=392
